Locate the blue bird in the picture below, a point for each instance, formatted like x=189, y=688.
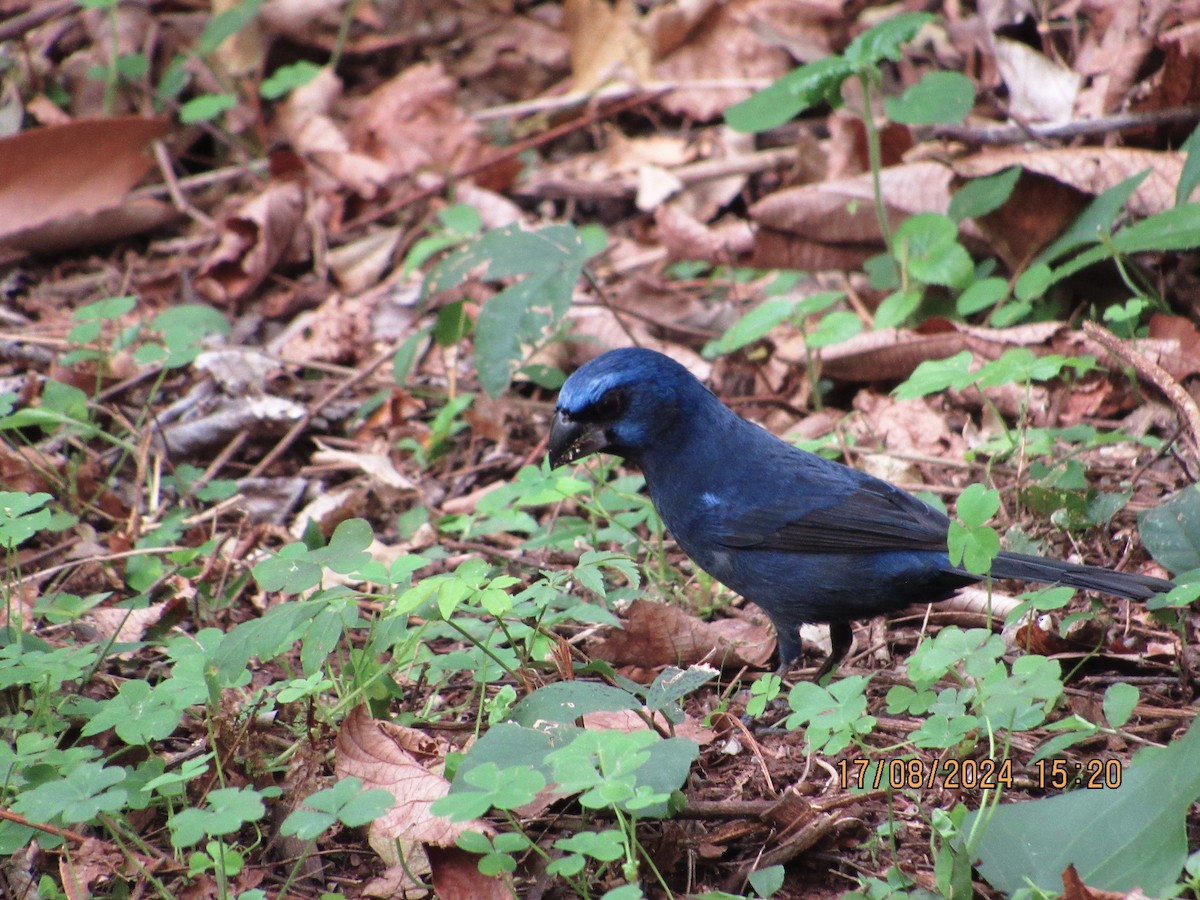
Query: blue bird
x=804, y=538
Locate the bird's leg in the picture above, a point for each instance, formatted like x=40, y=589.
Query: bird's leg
x=840, y=639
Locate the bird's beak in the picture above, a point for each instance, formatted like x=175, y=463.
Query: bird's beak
x=570, y=440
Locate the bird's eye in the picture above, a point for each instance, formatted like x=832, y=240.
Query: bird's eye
x=608, y=407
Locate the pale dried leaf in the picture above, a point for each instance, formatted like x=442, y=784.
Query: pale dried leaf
x=270, y=499
x=655, y=185
x=360, y=264
x=1039, y=89
x=606, y=43
x=495, y=210
x=257, y=416
x=338, y=330
x=327, y=510
x=714, y=42
x=377, y=466
x=906, y=426
x=687, y=238
x=238, y=370
x=124, y=626
x=306, y=119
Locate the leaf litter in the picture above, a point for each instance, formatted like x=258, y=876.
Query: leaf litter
x=504, y=108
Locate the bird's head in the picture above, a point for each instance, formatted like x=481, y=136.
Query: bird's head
x=623, y=402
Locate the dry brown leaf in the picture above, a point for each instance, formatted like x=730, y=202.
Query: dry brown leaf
x=907, y=426
x=413, y=121
x=1092, y=170
x=339, y=330
x=606, y=43
x=90, y=861
x=1181, y=330
x=715, y=41
x=306, y=120
x=1128, y=34
x=253, y=240
x=519, y=56
x=456, y=876
x=401, y=761
x=72, y=170
x=660, y=634
x=842, y=211
x=687, y=238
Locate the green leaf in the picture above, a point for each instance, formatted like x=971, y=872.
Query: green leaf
x=542, y=267
x=1171, y=531
x=835, y=327
x=980, y=196
x=225, y=811
x=1189, y=178
x=185, y=329
x=767, y=881
x=565, y=701
x=801, y=89
x=981, y=295
x=935, y=375
x=926, y=245
x=87, y=790
x=883, y=41
x=896, y=308
x=1096, y=219
x=206, y=107
x=1118, y=839
x=939, y=98
x=1177, y=228
x=753, y=326
x=606, y=846
x=22, y=515
x=345, y=802
x=225, y=25
x=108, y=309
x=1119, y=701
x=673, y=684
x=287, y=78
x=977, y=504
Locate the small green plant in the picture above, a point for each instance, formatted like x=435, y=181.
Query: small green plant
x=539, y=270
x=631, y=775
x=833, y=717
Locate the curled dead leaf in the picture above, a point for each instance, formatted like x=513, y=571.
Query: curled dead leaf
x=254, y=240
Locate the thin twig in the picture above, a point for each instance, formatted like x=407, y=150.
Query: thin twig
x=1019, y=134
x=1152, y=372
x=613, y=92
x=332, y=394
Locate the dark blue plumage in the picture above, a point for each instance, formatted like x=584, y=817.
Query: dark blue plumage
x=807, y=539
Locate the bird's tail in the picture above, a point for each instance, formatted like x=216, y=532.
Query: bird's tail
x=1089, y=578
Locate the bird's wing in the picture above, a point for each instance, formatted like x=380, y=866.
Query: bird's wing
x=873, y=518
